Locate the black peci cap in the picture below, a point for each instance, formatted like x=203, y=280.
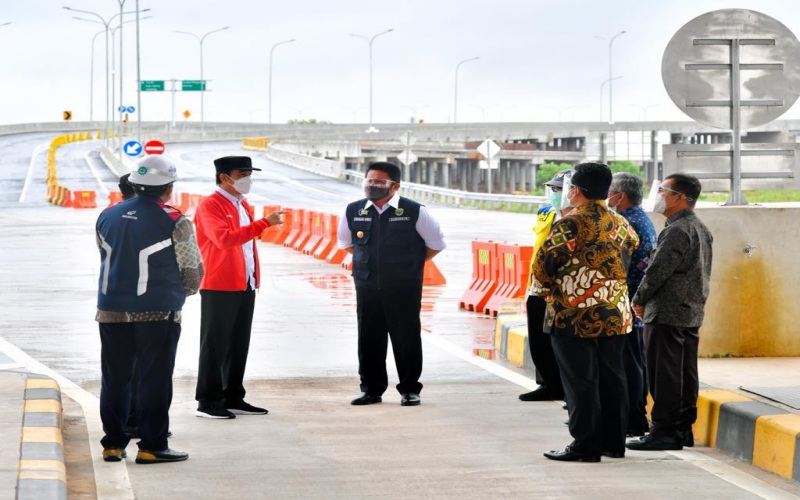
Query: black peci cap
x=228, y=163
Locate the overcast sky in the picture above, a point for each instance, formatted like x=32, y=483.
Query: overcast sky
x=539, y=60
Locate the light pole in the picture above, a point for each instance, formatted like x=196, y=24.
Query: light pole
x=270, y=75
x=644, y=109
x=201, y=39
x=369, y=41
x=113, y=67
x=610, y=77
x=607, y=80
x=455, y=88
x=6, y=23
x=105, y=23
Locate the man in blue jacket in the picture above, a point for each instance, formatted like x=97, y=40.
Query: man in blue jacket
x=149, y=264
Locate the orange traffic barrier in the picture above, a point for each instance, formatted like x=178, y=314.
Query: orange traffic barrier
x=84, y=199
x=432, y=275
x=336, y=255
x=317, y=233
x=484, y=276
x=329, y=238
x=513, y=262
x=297, y=227
x=305, y=233
x=270, y=233
x=114, y=197
x=289, y=221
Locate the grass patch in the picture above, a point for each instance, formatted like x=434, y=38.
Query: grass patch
x=766, y=196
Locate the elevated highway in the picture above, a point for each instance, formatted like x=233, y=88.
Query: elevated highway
x=470, y=438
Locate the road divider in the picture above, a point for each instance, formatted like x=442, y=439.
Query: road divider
x=499, y=274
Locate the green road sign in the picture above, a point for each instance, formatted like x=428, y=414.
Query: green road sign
x=151, y=85
x=193, y=85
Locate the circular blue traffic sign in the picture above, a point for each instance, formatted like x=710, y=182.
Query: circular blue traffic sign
x=130, y=109
x=121, y=109
x=132, y=148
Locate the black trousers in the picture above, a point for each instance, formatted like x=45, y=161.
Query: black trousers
x=152, y=346
x=636, y=375
x=672, y=375
x=547, y=374
x=225, y=323
x=396, y=313
x=595, y=390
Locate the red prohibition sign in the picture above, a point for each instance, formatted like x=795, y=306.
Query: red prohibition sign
x=154, y=147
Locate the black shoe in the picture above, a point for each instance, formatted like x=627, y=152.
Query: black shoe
x=655, y=443
x=114, y=454
x=157, y=457
x=569, y=455
x=213, y=412
x=541, y=394
x=687, y=438
x=366, y=399
x=243, y=408
x=613, y=454
x=410, y=399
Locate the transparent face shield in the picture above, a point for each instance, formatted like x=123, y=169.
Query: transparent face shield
x=652, y=198
x=565, y=191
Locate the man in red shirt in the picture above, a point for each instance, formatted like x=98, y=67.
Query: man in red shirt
x=225, y=235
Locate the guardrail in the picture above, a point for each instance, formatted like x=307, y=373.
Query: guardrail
x=458, y=198
x=320, y=166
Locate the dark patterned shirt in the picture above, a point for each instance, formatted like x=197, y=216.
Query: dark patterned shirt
x=676, y=285
x=640, y=259
x=582, y=269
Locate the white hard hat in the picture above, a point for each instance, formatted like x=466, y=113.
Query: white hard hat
x=153, y=170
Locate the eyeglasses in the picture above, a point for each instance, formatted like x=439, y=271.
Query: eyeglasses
x=378, y=182
x=662, y=189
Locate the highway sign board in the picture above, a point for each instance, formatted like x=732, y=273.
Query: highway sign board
x=193, y=85
x=486, y=165
x=488, y=148
x=154, y=147
x=132, y=148
x=67, y=115
x=407, y=157
x=151, y=85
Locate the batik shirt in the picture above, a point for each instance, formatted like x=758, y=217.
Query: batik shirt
x=582, y=271
x=643, y=226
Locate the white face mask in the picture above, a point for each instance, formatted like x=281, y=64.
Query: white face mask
x=660, y=205
x=242, y=185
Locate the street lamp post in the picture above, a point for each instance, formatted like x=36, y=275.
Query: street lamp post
x=610, y=77
x=106, y=23
x=270, y=75
x=201, y=39
x=607, y=80
x=369, y=41
x=644, y=109
x=455, y=88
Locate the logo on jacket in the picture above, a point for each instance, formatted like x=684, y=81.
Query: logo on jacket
x=363, y=211
x=398, y=211
x=132, y=212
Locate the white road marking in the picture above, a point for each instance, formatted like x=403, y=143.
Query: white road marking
x=732, y=475
x=100, y=182
x=36, y=152
x=720, y=469
x=116, y=483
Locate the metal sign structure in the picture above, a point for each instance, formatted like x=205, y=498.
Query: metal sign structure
x=733, y=69
x=489, y=149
